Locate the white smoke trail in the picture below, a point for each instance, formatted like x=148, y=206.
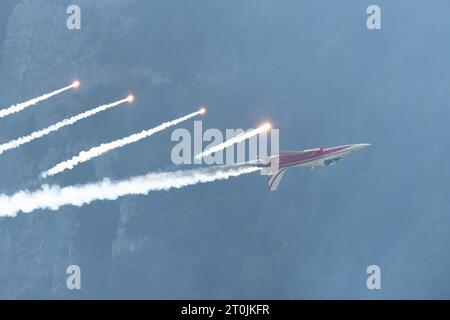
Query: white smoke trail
x=94, y=152
x=21, y=106
x=55, y=127
x=239, y=138
x=53, y=197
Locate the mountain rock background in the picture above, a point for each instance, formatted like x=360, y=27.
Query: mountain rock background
x=312, y=68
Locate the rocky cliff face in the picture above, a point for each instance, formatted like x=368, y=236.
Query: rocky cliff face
x=312, y=67
x=40, y=54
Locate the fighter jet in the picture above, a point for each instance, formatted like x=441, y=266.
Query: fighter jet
x=307, y=158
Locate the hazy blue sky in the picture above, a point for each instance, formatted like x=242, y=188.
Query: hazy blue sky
x=312, y=68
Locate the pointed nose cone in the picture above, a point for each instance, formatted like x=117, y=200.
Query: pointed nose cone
x=361, y=146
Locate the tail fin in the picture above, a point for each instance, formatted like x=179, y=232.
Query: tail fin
x=275, y=179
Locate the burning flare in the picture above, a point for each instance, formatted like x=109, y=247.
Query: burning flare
x=55, y=127
x=53, y=197
x=94, y=152
x=239, y=138
x=22, y=106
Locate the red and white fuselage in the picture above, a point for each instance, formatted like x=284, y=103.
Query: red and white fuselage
x=307, y=158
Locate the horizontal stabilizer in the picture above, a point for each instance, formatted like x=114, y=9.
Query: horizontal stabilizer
x=275, y=179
